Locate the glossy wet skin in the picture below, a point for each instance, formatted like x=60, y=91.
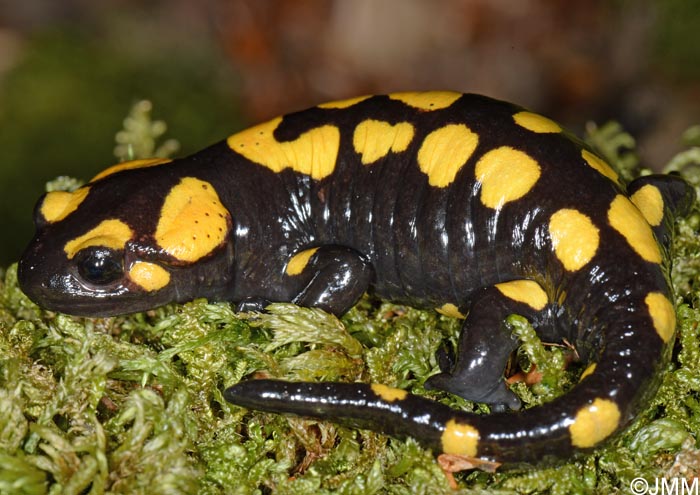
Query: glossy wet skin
x=115, y=260
x=457, y=202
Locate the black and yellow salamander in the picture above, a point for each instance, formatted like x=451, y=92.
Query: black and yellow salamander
x=457, y=202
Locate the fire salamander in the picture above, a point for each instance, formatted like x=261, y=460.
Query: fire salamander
x=458, y=202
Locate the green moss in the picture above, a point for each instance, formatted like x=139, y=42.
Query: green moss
x=134, y=404
x=140, y=135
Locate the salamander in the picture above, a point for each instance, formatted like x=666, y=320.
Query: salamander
x=459, y=202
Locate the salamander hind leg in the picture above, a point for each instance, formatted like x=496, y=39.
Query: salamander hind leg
x=485, y=344
x=332, y=277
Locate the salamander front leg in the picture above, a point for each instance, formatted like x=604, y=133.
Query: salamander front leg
x=332, y=277
x=252, y=305
x=486, y=343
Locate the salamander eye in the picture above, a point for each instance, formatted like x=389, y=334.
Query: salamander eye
x=99, y=265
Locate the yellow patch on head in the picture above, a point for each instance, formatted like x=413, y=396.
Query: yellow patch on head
x=524, y=291
x=629, y=221
x=588, y=371
x=57, y=205
x=193, y=221
x=444, y=151
x=505, y=174
x=599, y=165
x=536, y=123
x=662, y=315
x=449, y=309
x=314, y=153
x=594, y=423
x=460, y=439
x=574, y=237
x=374, y=139
x=389, y=394
x=149, y=276
x=344, y=103
x=148, y=162
x=427, y=100
x=112, y=234
x=298, y=262
x=650, y=202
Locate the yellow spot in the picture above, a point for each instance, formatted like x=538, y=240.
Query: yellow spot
x=149, y=276
x=149, y=162
x=112, y=234
x=524, y=291
x=588, y=371
x=444, y=151
x=662, y=314
x=650, y=202
x=428, y=100
x=299, y=261
x=594, y=423
x=459, y=439
x=449, y=309
x=505, y=174
x=343, y=103
x=388, y=394
x=574, y=237
x=536, y=123
x=374, y=139
x=57, y=205
x=313, y=153
x=628, y=221
x=599, y=165
x=193, y=221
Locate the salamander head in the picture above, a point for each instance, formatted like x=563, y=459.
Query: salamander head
x=127, y=242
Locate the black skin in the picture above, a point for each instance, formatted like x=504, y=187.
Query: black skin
x=382, y=227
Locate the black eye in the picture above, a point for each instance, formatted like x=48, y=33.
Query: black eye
x=99, y=265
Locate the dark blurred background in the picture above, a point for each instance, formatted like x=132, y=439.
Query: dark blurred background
x=71, y=69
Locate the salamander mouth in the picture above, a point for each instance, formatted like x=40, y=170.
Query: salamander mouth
x=65, y=293
x=92, y=306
